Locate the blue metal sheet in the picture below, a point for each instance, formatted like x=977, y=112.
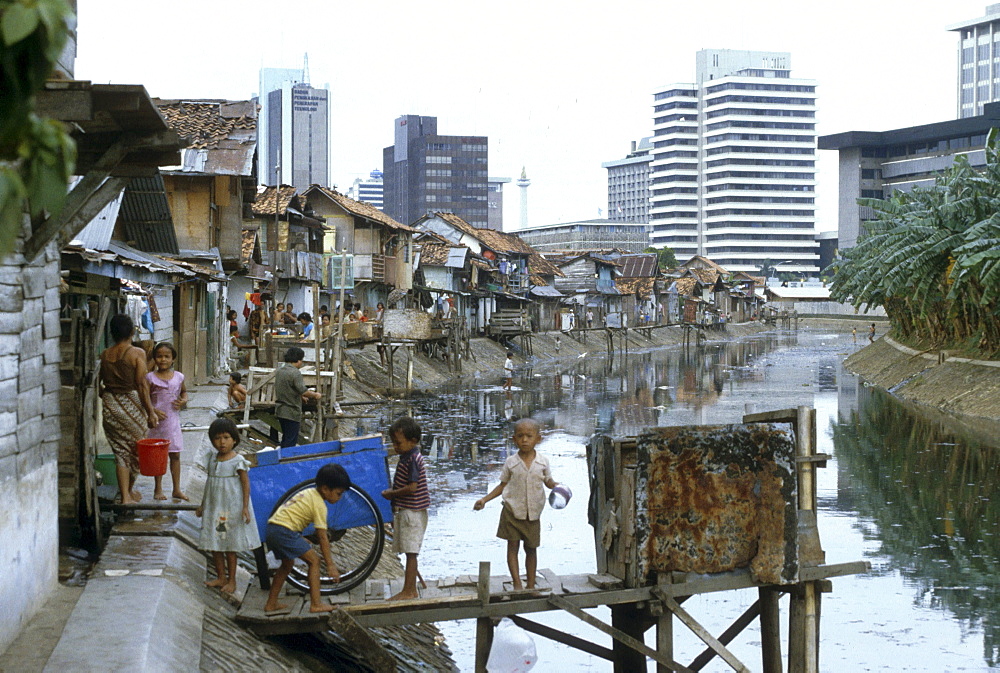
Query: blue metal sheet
x=368, y=469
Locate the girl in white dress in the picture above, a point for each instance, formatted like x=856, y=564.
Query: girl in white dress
x=228, y=524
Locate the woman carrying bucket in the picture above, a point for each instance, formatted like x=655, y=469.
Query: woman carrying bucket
x=167, y=391
x=128, y=409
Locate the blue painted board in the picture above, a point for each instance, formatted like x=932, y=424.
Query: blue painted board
x=367, y=468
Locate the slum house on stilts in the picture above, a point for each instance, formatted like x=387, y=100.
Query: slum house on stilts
x=379, y=247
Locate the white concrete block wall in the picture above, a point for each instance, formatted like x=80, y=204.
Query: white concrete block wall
x=164, y=328
x=29, y=436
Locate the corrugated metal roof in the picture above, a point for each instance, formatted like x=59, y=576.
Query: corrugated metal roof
x=546, y=291
x=145, y=216
x=639, y=266
x=456, y=257
x=97, y=234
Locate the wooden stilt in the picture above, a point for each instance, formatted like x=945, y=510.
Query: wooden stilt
x=665, y=638
x=727, y=636
x=770, y=630
x=796, y=627
x=702, y=633
x=484, y=639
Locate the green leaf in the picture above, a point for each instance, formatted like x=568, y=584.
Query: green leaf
x=18, y=22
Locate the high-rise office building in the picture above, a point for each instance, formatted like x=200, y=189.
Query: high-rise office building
x=732, y=175
x=494, y=203
x=424, y=172
x=628, y=184
x=370, y=190
x=295, y=129
x=978, y=59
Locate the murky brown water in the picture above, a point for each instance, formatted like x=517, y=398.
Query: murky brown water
x=919, y=501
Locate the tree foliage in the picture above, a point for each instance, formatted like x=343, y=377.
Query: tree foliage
x=665, y=257
x=931, y=258
x=37, y=156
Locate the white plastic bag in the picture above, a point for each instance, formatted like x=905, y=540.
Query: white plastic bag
x=513, y=650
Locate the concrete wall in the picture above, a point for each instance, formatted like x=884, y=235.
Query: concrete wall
x=29, y=436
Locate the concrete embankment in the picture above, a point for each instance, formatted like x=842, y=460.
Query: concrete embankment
x=953, y=385
x=368, y=377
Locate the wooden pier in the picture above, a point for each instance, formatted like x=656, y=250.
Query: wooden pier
x=750, y=525
x=463, y=597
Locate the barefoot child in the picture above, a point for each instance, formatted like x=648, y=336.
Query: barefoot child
x=283, y=535
x=508, y=371
x=228, y=524
x=521, y=482
x=167, y=391
x=237, y=391
x=410, y=500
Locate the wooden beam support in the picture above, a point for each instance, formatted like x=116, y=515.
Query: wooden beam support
x=85, y=201
x=374, y=654
x=484, y=640
x=483, y=585
x=701, y=632
x=617, y=634
x=727, y=636
x=770, y=630
x=564, y=638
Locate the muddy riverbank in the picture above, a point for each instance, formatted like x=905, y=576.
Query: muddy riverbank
x=368, y=376
x=952, y=385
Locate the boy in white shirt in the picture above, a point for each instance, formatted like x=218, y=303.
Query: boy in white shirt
x=521, y=482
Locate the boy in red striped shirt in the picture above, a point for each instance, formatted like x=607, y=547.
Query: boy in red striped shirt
x=410, y=500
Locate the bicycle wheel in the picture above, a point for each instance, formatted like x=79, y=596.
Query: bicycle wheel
x=356, y=541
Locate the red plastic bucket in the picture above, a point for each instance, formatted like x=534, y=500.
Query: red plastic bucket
x=152, y=456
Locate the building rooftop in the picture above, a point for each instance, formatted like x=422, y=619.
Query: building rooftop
x=923, y=133
x=992, y=14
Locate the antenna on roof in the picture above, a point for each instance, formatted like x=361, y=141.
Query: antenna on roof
x=305, y=68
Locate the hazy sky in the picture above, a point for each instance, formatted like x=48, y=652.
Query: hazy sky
x=557, y=86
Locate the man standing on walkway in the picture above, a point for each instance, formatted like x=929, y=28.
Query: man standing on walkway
x=289, y=392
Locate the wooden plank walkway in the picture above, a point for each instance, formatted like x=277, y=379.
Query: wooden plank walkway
x=451, y=598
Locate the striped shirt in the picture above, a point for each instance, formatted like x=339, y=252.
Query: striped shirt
x=411, y=469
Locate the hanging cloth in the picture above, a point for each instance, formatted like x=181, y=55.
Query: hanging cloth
x=246, y=310
x=154, y=312
x=255, y=299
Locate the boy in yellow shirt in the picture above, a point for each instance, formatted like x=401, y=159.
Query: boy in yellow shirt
x=283, y=535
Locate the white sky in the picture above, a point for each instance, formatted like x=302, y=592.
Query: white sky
x=557, y=86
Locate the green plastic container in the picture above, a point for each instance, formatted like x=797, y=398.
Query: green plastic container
x=105, y=464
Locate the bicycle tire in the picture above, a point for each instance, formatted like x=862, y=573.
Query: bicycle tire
x=359, y=554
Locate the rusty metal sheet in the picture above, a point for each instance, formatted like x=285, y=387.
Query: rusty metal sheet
x=716, y=498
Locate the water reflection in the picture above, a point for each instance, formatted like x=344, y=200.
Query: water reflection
x=918, y=499
x=931, y=497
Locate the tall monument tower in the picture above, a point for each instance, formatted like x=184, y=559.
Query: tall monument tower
x=523, y=182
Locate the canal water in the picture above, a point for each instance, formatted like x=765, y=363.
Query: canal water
x=916, y=497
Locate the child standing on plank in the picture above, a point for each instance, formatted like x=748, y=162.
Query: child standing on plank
x=168, y=394
x=283, y=535
x=521, y=482
x=410, y=500
x=228, y=524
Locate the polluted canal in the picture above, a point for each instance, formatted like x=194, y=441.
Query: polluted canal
x=916, y=498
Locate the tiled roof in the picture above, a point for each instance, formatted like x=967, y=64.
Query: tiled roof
x=359, y=208
x=247, y=245
x=460, y=224
x=639, y=266
x=204, y=124
x=643, y=287
x=434, y=254
x=686, y=286
x=264, y=205
x=703, y=262
x=706, y=276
